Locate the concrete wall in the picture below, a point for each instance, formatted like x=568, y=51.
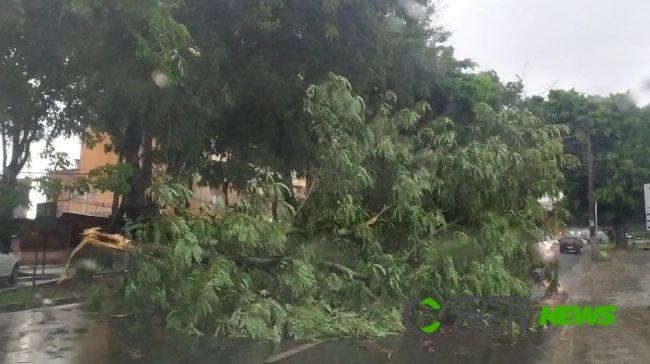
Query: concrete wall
x=28, y=246
x=22, y=187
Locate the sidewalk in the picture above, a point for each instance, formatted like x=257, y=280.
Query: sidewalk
x=622, y=281
x=50, y=270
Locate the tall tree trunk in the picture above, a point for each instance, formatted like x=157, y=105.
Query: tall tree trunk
x=7, y=190
x=132, y=141
x=20, y=142
x=289, y=196
x=115, y=206
x=6, y=215
x=619, y=235
x=190, y=186
x=138, y=145
x=224, y=188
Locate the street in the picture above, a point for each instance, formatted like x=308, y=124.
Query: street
x=67, y=335
x=624, y=282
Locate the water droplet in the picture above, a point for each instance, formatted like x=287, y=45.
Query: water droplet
x=160, y=78
x=413, y=9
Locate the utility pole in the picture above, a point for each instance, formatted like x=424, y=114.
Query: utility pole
x=593, y=239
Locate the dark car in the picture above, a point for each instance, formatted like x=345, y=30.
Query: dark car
x=571, y=243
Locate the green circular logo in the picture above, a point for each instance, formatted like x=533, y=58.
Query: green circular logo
x=406, y=315
x=433, y=304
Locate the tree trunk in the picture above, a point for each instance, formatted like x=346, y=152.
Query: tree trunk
x=190, y=186
x=619, y=235
x=115, y=207
x=224, y=188
x=7, y=186
x=6, y=214
x=138, y=153
x=289, y=196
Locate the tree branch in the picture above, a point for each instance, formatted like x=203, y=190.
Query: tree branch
x=4, y=147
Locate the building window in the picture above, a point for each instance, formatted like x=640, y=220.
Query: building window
x=77, y=194
x=217, y=200
x=96, y=192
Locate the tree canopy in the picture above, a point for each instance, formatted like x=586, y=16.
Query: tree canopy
x=35, y=78
x=617, y=126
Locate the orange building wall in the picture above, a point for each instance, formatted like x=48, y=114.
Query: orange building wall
x=96, y=157
x=101, y=203
x=94, y=202
x=97, y=203
x=64, y=202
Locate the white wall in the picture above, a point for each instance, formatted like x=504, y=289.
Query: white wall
x=21, y=212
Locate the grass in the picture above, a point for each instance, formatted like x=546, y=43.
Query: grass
x=606, y=249
x=643, y=244
x=70, y=288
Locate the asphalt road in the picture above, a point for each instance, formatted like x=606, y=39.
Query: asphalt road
x=569, y=261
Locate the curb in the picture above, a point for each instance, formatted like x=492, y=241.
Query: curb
x=560, y=346
x=22, y=275
x=24, y=306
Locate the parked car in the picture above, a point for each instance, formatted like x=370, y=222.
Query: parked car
x=8, y=265
x=571, y=243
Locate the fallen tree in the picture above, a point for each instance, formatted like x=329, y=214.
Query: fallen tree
x=95, y=237
x=391, y=214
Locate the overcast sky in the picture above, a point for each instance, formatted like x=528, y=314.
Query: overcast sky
x=597, y=47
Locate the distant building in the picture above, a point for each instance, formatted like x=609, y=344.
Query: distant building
x=100, y=204
x=547, y=203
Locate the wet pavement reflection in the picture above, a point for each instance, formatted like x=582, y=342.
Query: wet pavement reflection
x=68, y=335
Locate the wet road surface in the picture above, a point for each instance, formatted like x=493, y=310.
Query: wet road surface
x=568, y=262
x=67, y=335
x=622, y=281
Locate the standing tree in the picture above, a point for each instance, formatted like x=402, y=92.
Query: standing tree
x=620, y=166
x=35, y=79
x=127, y=56
x=237, y=73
